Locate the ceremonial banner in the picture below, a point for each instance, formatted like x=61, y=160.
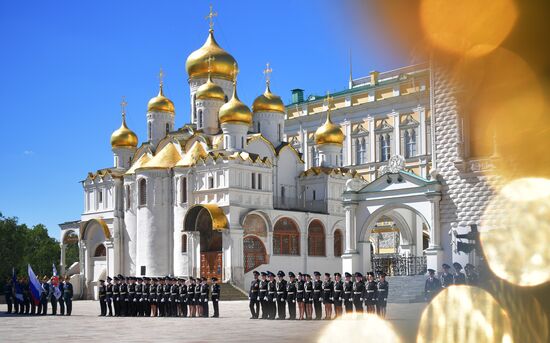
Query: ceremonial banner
x=35, y=287
x=17, y=287
x=55, y=283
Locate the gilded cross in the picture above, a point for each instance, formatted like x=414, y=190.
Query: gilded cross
x=123, y=107
x=161, y=76
x=209, y=60
x=328, y=99
x=210, y=17
x=267, y=72
x=235, y=72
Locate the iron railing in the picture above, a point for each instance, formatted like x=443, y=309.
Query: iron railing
x=287, y=203
x=397, y=265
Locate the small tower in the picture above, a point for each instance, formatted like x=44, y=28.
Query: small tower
x=235, y=119
x=208, y=100
x=160, y=115
x=123, y=142
x=269, y=113
x=329, y=139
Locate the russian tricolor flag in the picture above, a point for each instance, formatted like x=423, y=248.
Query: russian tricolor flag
x=35, y=287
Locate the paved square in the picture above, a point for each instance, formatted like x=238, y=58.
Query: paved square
x=233, y=326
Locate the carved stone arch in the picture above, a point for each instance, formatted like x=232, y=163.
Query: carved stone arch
x=339, y=224
x=275, y=219
x=262, y=215
x=99, y=221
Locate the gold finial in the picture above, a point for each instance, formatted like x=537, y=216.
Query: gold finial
x=209, y=60
x=161, y=77
x=328, y=100
x=123, y=104
x=210, y=17
x=235, y=72
x=267, y=73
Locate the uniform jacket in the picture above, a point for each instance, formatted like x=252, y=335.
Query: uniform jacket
x=263, y=289
x=254, y=291
x=300, y=290
x=102, y=290
x=317, y=290
x=109, y=291
x=123, y=291
x=348, y=291
x=183, y=293
x=370, y=294
x=205, y=290
x=446, y=280
x=358, y=291
x=280, y=286
x=328, y=290
x=166, y=292
x=431, y=287
x=215, y=292
x=308, y=290
x=291, y=291
x=68, y=291
x=338, y=294
x=383, y=290
x=271, y=291
x=132, y=292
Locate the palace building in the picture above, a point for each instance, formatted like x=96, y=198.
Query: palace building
x=372, y=177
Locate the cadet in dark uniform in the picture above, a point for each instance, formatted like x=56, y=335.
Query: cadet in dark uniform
x=281, y=295
x=338, y=294
x=60, y=300
x=140, y=295
x=348, y=293
x=432, y=286
x=472, y=278
x=317, y=290
x=153, y=310
x=27, y=299
x=271, y=296
x=102, y=290
x=133, y=297
x=291, y=295
x=52, y=298
x=383, y=291
x=174, y=296
x=370, y=295
x=358, y=292
x=263, y=296
x=205, y=290
x=254, y=296
x=68, y=295
x=300, y=294
x=198, y=299
x=458, y=278
x=446, y=278
x=147, y=297
x=308, y=297
x=8, y=294
x=215, y=297
x=44, y=296
x=183, y=298
x=191, y=297
x=116, y=296
x=123, y=296
x=327, y=295
x=109, y=295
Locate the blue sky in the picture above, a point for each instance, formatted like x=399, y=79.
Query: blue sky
x=65, y=65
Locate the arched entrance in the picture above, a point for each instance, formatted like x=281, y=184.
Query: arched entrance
x=95, y=233
x=254, y=251
x=206, y=223
x=395, y=237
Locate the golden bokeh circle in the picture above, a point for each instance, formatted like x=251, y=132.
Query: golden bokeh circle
x=468, y=27
x=515, y=232
x=359, y=328
x=464, y=314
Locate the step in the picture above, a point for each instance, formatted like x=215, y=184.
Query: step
x=230, y=292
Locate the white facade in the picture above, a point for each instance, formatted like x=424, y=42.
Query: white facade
x=224, y=200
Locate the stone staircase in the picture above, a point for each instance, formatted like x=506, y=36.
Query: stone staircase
x=230, y=292
x=406, y=289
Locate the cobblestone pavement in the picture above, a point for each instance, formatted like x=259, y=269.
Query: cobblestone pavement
x=234, y=325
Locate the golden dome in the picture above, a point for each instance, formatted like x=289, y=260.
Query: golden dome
x=235, y=111
x=329, y=133
x=160, y=103
x=210, y=91
x=221, y=64
x=123, y=137
x=268, y=102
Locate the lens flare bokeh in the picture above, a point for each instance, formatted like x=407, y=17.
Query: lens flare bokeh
x=359, y=328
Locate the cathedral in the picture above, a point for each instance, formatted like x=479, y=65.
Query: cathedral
x=375, y=176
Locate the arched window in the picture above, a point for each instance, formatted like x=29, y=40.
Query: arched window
x=183, y=190
x=142, y=192
x=100, y=251
x=286, y=238
x=167, y=127
x=361, y=152
x=149, y=131
x=183, y=243
x=384, y=147
x=410, y=143
x=259, y=127
x=200, y=119
x=316, y=239
x=254, y=253
x=254, y=225
x=338, y=243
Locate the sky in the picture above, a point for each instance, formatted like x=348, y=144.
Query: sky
x=65, y=65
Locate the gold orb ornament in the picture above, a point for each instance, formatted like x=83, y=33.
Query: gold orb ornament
x=464, y=314
x=515, y=232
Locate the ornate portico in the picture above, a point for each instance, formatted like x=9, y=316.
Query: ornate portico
x=399, y=207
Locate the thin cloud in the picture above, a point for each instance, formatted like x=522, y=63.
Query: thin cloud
x=28, y=152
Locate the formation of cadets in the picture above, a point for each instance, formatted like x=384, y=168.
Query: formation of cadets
x=158, y=297
x=434, y=285
x=305, y=297
x=28, y=306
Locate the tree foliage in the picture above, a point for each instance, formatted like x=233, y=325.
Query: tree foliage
x=21, y=245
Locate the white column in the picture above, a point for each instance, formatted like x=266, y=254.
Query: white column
x=372, y=140
x=396, y=134
x=419, y=236
x=347, y=144
x=62, y=259
x=351, y=239
x=434, y=253
x=305, y=150
x=422, y=131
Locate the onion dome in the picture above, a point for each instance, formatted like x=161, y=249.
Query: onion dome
x=123, y=137
x=160, y=103
x=210, y=91
x=221, y=64
x=268, y=102
x=329, y=133
x=235, y=111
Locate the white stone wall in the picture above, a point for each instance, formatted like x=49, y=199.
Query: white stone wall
x=194, y=84
x=129, y=235
x=210, y=109
x=271, y=126
x=158, y=122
